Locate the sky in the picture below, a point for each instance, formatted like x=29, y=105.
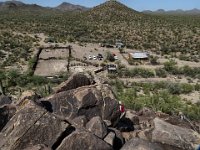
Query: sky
x=139, y=5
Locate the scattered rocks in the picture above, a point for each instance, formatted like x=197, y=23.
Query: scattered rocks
x=179, y=137
x=83, y=140
x=83, y=115
x=80, y=121
x=139, y=144
x=26, y=97
x=30, y=126
x=110, y=138
x=38, y=147
x=129, y=135
x=88, y=101
x=108, y=123
x=97, y=126
x=132, y=117
x=75, y=81
x=4, y=100
x=6, y=113
x=146, y=112
x=118, y=141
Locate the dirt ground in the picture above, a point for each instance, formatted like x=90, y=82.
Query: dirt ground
x=50, y=67
x=53, y=61
x=89, y=49
x=54, y=53
x=193, y=97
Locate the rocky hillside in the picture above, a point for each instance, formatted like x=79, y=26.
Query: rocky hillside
x=70, y=7
x=112, y=11
x=113, y=20
x=17, y=5
x=84, y=114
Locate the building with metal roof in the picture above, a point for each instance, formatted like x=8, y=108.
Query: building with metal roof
x=139, y=55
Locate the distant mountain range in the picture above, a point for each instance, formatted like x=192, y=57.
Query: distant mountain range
x=71, y=7
x=178, y=11
x=107, y=22
x=18, y=5
x=12, y=5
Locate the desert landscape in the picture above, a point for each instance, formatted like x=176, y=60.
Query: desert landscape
x=76, y=66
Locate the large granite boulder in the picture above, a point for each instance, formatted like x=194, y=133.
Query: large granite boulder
x=97, y=126
x=4, y=100
x=118, y=140
x=30, y=95
x=75, y=81
x=6, y=113
x=80, y=121
x=139, y=144
x=175, y=136
x=88, y=101
x=32, y=125
x=38, y=147
x=110, y=138
x=131, y=115
x=83, y=140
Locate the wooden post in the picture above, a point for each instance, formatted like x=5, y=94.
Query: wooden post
x=2, y=88
x=49, y=89
x=69, y=57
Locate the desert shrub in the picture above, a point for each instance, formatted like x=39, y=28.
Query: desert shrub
x=38, y=80
x=170, y=66
x=192, y=111
x=174, y=88
x=136, y=72
x=31, y=64
x=112, y=75
x=197, y=87
x=110, y=56
x=162, y=101
x=187, y=88
x=159, y=100
x=160, y=72
x=184, y=57
x=154, y=60
x=173, y=69
x=2, y=75
x=12, y=77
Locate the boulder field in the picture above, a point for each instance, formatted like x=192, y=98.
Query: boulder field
x=83, y=114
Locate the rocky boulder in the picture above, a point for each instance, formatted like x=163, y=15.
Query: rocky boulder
x=75, y=81
x=4, y=100
x=131, y=115
x=89, y=101
x=38, y=147
x=175, y=136
x=32, y=125
x=80, y=121
x=83, y=140
x=25, y=98
x=139, y=144
x=97, y=126
x=118, y=140
x=6, y=113
x=110, y=138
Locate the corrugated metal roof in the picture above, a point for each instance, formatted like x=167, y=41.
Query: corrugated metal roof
x=119, y=43
x=139, y=55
